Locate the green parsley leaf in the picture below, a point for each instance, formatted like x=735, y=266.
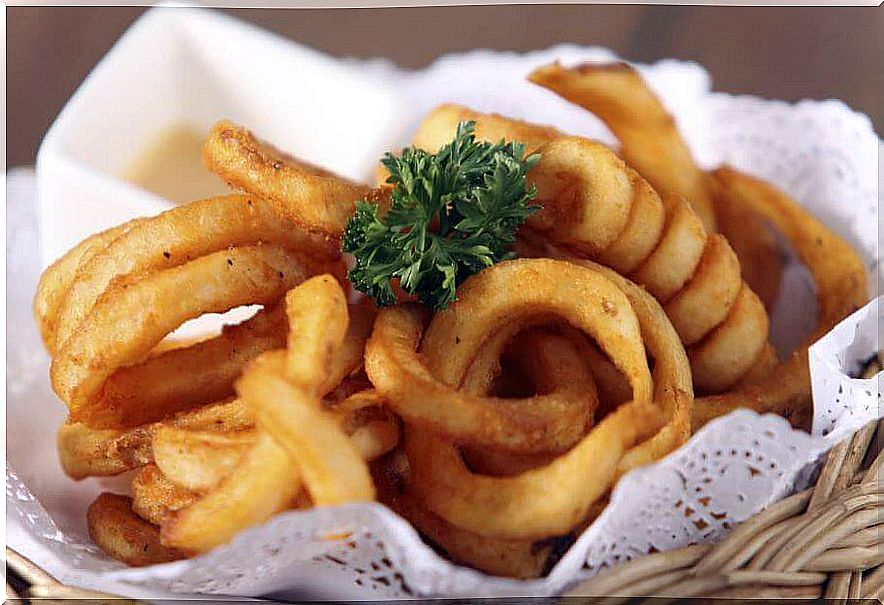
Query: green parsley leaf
x=453, y=213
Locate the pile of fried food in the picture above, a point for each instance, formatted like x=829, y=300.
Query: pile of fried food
x=635, y=312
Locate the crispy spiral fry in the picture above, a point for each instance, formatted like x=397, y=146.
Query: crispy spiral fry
x=563, y=372
x=452, y=502
x=126, y=324
x=599, y=207
x=841, y=289
x=314, y=198
x=650, y=143
x=546, y=423
x=300, y=450
x=648, y=134
x=56, y=281
x=213, y=471
x=110, y=301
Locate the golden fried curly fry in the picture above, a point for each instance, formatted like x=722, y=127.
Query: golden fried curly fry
x=672, y=378
x=436, y=128
x=154, y=496
x=546, y=359
x=179, y=235
x=524, y=506
x=718, y=362
x=56, y=281
x=299, y=443
x=504, y=293
x=131, y=319
x=512, y=507
x=197, y=460
x=372, y=428
x=331, y=466
x=586, y=192
x=183, y=378
x=673, y=391
x=86, y=451
x=315, y=199
x=123, y=535
x=264, y=482
x=596, y=206
x=651, y=144
x=89, y=452
x=318, y=322
x=284, y=389
x=650, y=141
x=515, y=558
x=709, y=295
x=542, y=423
x=347, y=361
x=841, y=287
x=754, y=242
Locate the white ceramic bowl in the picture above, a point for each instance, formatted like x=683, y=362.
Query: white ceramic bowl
x=192, y=66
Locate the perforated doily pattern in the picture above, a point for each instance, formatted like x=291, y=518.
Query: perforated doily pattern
x=820, y=152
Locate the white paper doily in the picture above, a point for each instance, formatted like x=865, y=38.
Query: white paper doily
x=820, y=152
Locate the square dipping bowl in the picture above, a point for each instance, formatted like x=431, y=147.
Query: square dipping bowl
x=186, y=68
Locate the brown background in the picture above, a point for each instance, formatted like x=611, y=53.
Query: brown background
x=787, y=53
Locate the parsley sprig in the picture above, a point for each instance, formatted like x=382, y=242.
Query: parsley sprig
x=453, y=213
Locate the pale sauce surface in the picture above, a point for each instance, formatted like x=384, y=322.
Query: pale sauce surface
x=171, y=167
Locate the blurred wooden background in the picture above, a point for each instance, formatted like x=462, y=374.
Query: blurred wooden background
x=786, y=53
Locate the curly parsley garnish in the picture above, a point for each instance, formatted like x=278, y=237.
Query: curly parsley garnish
x=453, y=213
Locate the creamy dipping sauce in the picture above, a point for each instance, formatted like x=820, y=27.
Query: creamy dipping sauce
x=171, y=167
